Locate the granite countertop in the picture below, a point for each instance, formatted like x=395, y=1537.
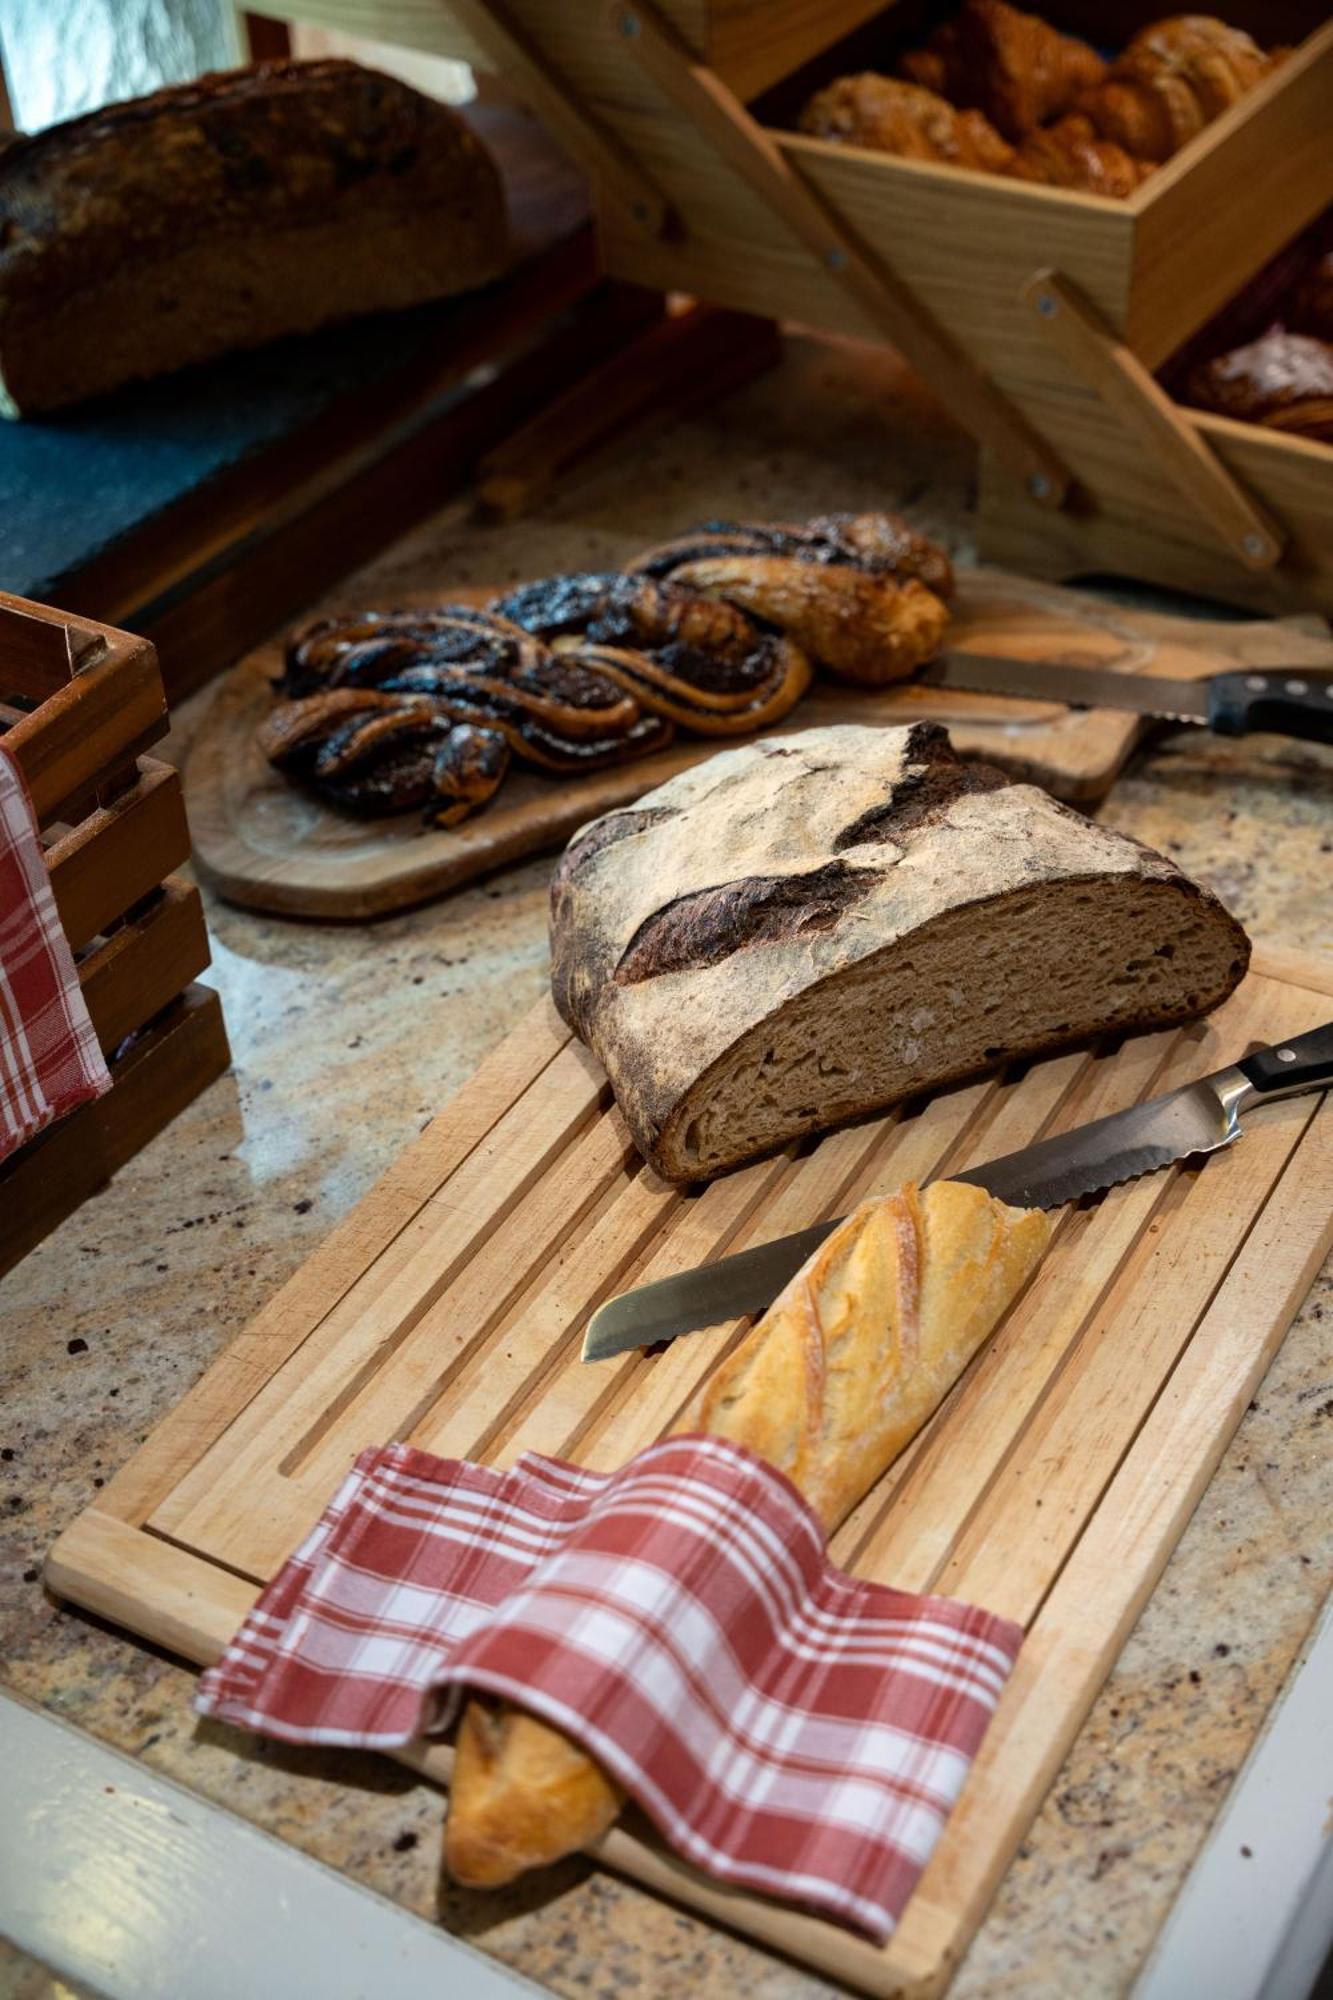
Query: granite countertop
x=348, y=1038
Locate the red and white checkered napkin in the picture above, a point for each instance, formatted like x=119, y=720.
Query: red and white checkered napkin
x=784, y=1726
x=50, y=1062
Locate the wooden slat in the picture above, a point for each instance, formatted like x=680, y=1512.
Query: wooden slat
x=119, y=853
x=538, y=82
x=895, y=311
x=1169, y=440
x=142, y=967
x=41, y=650
x=167, y=1068
x=375, y=1319
x=109, y=711
x=1212, y=216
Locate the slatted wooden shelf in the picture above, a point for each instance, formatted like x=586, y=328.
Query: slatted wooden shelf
x=448, y=1308
x=79, y=703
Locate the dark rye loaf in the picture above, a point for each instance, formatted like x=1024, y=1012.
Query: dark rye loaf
x=808, y=929
x=221, y=214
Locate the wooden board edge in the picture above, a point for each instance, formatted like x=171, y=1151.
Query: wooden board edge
x=1128, y=1540
x=1293, y=968
x=113, y=1569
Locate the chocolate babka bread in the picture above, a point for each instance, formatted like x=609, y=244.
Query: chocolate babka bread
x=715, y=633
x=391, y=711
x=862, y=594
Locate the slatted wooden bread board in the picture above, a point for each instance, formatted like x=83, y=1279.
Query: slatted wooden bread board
x=263, y=843
x=449, y=1307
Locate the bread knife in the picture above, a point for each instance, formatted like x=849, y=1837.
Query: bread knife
x=1197, y=1119
x=1291, y=701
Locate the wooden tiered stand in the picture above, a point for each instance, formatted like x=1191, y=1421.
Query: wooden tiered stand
x=79, y=702
x=1037, y=313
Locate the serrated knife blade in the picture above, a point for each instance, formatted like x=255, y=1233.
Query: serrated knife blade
x=1192, y=1121
x=1170, y=699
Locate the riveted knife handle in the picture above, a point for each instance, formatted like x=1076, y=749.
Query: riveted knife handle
x=1292, y=702
x=1304, y=1063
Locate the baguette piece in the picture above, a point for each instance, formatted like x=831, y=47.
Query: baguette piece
x=839, y=1375
x=224, y=213
x=811, y=928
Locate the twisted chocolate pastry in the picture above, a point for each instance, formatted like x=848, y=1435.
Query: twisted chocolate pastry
x=683, y=655
x=400, y=710
x=391, y=711
x=860, y=593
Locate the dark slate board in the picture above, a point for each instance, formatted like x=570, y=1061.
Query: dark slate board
x=74, y=484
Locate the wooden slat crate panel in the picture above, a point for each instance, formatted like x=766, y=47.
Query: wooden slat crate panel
x=1050, y=1486
x=112, y=826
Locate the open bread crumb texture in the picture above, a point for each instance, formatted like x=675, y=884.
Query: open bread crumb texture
x=1046, y=968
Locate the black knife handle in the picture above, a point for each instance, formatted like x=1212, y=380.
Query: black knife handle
x=1305, y=1063
x=1293, y=702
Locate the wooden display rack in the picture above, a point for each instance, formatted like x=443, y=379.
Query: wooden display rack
x=1037, y=313
x=78, y=704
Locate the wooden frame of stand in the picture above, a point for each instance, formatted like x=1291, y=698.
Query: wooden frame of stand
x=1086, y=463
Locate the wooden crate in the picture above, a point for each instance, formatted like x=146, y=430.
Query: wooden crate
x=940, y=260
x=79, y=702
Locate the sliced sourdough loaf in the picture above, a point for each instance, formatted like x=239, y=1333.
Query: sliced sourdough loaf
x=805, y=930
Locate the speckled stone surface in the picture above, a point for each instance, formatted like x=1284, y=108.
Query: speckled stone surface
x=347, y=1039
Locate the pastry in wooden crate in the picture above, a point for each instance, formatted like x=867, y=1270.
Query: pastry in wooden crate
x=890, y=116
x=1070, y=154
x=1173, y=79
x=1013, y=66
x=1283, y=381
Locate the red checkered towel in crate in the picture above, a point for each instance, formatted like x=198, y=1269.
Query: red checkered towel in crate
x=50, y=1062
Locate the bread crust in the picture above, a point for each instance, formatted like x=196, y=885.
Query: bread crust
x=223, y=213
x=798, y=866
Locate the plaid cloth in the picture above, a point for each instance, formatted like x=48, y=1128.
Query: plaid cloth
x=50, y=1062
x=784, y=1726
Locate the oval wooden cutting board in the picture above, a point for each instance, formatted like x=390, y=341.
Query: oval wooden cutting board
x=265, y=844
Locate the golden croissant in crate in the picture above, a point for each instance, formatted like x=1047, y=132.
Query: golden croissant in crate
x=1173, y=79
x=1070, y=154
x=839, y=1375
x=889, y=116
x=1012, y=66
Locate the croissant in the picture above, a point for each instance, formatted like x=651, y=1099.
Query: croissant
x=1283, y=381
x=1012, y=66
x=1171, y=81
x=1069, y=154
x=889, y=116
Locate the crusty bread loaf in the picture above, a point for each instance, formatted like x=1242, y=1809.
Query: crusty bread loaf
x=221, y=214
x=811, y=928
x=833, y=1382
